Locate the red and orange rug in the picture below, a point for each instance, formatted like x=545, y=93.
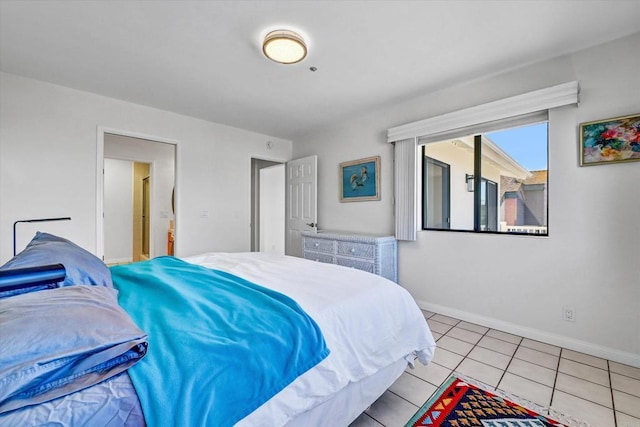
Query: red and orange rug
x=459, y=403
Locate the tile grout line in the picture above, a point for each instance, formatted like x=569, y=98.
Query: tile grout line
x=376, y=421
x=557, y=371
x=555, y=378
x=613, y=401
x=586, y=380
x=397, y=395
x=580, y=397
x=513, y=356
x=618, y=373
x=467, y=355
x=476, y=345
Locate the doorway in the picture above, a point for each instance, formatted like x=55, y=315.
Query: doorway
x=127, y=200
x=267, y=206
x=152, y=219
x=296, y=181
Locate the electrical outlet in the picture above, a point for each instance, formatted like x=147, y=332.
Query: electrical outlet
x=568, y=314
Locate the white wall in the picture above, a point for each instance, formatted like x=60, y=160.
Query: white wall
x=48, y=145
x=272, y=209
x=118, y=210
x=516, y=283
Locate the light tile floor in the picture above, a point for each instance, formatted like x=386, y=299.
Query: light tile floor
x=598, y=391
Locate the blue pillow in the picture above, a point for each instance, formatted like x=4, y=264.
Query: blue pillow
x=82, y=267
x=62, y=340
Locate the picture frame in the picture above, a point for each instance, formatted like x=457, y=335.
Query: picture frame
x=611, y=140
x=360, y=180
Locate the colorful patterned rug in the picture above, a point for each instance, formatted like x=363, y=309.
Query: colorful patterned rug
x=464, y=402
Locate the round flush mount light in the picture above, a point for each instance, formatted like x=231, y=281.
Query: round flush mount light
x=284, y=47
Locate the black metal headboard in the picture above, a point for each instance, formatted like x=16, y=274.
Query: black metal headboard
x=66, y=218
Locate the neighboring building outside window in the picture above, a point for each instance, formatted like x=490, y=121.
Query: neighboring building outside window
x=524, y=203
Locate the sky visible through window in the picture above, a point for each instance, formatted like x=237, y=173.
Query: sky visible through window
x=526, y=144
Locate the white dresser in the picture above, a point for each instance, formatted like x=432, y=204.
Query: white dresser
x=375, y=254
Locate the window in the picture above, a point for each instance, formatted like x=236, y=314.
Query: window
x=485, y=123
x=509, y=197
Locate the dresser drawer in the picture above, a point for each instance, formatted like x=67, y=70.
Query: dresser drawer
x=355, y=263
x=319, y=256
x=374, y=254
x=359, y=250
x=318, y=245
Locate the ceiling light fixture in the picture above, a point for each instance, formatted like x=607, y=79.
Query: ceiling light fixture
x=284, y=46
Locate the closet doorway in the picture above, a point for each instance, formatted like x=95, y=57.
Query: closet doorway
x=137, y=219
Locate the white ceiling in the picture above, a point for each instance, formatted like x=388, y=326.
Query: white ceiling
x=204, y=59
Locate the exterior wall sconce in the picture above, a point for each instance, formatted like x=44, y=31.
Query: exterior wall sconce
x=469, y=180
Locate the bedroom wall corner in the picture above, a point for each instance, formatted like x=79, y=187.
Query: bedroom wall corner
x=48, y=165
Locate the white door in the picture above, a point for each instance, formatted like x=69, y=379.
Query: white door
x=301, y=201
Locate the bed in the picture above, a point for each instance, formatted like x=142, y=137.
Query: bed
x=362, y=332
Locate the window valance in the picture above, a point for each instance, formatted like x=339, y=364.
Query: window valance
x=507, y=108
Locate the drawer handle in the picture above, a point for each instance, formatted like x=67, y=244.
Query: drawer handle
x=316, y=244
x=353, y=250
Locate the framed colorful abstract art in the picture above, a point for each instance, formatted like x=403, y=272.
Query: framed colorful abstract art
x=360, y=180
x=609, y=141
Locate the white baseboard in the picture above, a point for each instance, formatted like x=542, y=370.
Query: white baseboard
x=535, y=334
x=117, y=260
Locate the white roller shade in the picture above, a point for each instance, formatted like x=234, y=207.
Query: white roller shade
x=486, y=127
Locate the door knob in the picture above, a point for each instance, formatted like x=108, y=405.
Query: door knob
x=312, y=224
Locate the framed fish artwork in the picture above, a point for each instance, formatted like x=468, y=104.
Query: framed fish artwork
x=360, y=180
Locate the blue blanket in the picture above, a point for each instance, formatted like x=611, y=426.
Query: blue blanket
x=219, y=346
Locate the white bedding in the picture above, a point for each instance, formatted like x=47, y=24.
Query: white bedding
x=345, y=303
